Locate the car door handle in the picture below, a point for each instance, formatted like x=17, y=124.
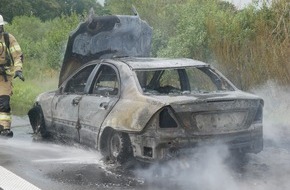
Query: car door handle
x=104, y=105
x=76, y=101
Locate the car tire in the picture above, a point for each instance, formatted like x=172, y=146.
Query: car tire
x=119, y=147
x=37, y=121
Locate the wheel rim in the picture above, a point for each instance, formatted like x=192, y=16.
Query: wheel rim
x=115, y=145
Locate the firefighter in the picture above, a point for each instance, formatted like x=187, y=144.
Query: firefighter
x=10, y=67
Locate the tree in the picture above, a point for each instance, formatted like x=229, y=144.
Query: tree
x=11, y=8
x=47, y=10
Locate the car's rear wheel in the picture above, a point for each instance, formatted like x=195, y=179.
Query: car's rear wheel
x=118, y=147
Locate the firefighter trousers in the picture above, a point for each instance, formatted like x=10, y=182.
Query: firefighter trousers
x=5, y=109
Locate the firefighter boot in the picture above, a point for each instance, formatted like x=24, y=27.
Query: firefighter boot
x=5, y=132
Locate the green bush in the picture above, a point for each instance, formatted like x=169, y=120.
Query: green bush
x=24, y=93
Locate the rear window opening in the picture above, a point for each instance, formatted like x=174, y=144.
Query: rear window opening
x=180, y=81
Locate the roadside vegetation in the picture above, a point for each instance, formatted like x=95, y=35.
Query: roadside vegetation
x=43, y=46
x=250, y=46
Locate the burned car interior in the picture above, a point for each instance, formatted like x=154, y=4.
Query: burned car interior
x=179, y=81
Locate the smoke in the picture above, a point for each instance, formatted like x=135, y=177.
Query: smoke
x=270, y=169
x=276, y=112
x=206, y=169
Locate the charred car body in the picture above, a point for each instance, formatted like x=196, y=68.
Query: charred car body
x=115, y=98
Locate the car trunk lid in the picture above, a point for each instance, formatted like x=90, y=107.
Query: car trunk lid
x=217, y=115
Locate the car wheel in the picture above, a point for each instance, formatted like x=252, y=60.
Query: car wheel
x=119, y=147
x=37, y=122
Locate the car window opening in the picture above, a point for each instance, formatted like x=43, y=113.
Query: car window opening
x=190, y=80
x=77, y=83
x=106, y=82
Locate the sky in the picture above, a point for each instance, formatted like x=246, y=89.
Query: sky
x=240, y=3
x=101, y=2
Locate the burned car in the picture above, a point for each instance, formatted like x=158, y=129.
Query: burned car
x=125, y=104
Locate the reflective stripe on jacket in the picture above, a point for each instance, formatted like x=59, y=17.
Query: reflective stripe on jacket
x=5, y=120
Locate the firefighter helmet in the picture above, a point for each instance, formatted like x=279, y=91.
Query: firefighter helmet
x=2, y=22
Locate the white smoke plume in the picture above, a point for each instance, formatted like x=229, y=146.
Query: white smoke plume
x=276, y=111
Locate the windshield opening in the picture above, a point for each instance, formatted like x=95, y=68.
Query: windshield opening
x=188, y=80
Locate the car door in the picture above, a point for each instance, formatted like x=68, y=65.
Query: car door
x=65, y=105
x=95, y=106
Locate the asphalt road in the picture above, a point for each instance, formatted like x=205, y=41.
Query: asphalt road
x=36, y=164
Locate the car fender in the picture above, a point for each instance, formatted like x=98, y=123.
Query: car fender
x=130, y=115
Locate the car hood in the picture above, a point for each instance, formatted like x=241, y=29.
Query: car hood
x=105, y=37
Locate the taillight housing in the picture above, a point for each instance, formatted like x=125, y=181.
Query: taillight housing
x=259, y=114
x=166, y=119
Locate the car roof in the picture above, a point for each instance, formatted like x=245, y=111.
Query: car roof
x=155, y=63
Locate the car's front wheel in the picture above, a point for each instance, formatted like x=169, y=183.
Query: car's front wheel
x=37, y=122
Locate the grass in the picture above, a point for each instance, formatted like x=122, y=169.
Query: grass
x=24, y=93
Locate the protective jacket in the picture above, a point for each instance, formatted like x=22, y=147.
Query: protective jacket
x=10, y=61
x=10, y=54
